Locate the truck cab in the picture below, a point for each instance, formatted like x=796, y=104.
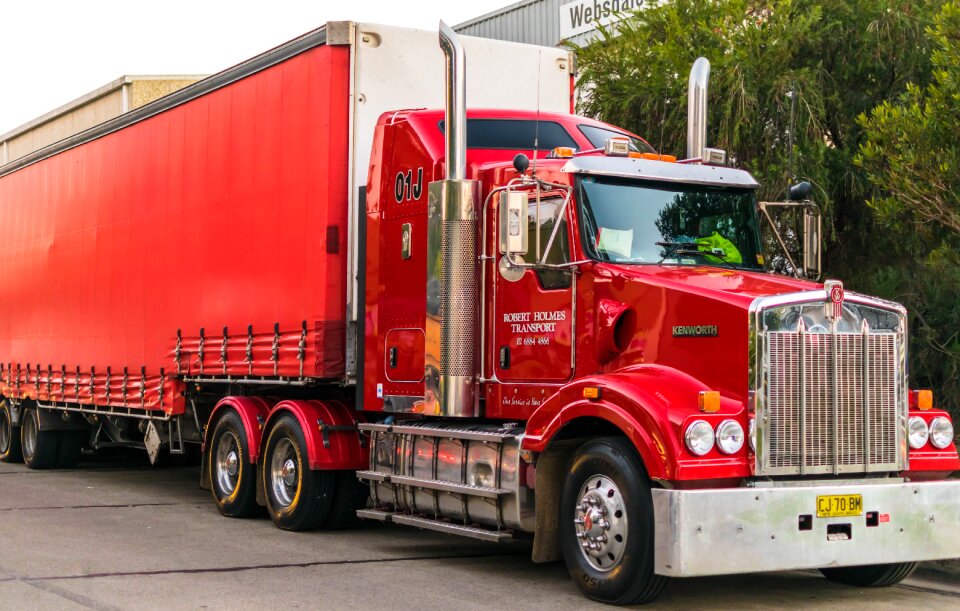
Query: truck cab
x=603, y=316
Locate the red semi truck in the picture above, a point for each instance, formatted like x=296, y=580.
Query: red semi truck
x=500, y=323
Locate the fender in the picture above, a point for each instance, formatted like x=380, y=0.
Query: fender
x=650, y=404
x=330, y=430
x=253, y=412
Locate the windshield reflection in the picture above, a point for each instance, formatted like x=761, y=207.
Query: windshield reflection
x=628, y=221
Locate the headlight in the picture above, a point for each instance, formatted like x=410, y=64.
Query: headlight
x=730, y=437
x=753, y=435
x=699, y=437
x=918, y=432
x=941, y=433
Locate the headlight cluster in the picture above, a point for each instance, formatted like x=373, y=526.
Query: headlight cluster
x=700, y=437
x=939, y=432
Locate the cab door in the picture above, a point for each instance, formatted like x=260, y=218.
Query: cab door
x=533, y=308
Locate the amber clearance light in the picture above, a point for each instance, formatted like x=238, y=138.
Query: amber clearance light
x=709, y=401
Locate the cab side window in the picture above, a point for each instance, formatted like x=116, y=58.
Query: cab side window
x=559, y=251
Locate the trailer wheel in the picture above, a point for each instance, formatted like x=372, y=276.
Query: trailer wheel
x=871, y=576
x=9, y=437
x=40, y=448
x=232, y=477
x=298, y=498
x=606, y=524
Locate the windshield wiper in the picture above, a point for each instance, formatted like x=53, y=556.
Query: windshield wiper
x=676, y=248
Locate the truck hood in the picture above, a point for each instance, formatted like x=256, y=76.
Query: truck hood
x=736, y=287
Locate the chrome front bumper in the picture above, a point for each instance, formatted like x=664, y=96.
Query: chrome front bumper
x=747, y=530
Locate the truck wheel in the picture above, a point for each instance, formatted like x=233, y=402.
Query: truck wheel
x=9, y=437
x=351, y=495
x=871, y=576
x=298, y=498
x=40, y=448
x=606, y=524
x=232, y=477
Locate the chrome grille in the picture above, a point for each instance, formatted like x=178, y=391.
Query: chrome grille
x=830, y=402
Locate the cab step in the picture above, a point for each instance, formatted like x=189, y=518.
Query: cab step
x=473, y=532
x=433, y=484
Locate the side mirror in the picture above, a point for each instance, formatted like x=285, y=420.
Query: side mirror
x=812, y=242
x=513, y=223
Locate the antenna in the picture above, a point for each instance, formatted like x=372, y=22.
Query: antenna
x=536, y=132
x=793, y=105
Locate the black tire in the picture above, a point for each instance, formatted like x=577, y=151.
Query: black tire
x=607, y=490
x=870, y=576
x=40, y=448
x=232, y=476
x=9, y=437
x=69, y=449
x=351, y=494
x=297, y=497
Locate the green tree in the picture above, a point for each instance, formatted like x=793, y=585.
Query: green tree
x=789, y=80
x=911, y=154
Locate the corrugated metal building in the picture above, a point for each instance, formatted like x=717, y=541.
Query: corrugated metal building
x=535, y=22
x=549, y=22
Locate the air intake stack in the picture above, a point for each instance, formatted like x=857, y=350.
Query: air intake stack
x=452, y=361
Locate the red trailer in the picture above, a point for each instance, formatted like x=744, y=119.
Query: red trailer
x=506, y=322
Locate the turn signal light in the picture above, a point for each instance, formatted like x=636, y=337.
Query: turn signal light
x=591, y=392
x=561, y=152
x=923, y=399
x=709, y=401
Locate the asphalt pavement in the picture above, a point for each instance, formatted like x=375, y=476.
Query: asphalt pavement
x=115, y=534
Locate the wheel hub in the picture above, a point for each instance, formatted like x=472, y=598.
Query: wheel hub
x=228, y=463
x=289, y=472
x=233, y=464
x=284, y=478
x=600, y=523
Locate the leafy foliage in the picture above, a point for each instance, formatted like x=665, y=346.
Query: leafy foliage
x=911, y=154
x=793, y=89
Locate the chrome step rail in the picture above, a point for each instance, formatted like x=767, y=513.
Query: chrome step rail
x=433, y=484
x=473, y=532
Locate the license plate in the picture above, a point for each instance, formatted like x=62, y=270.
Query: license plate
x=839, y=505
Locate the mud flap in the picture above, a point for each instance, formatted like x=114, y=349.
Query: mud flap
x=551, y=472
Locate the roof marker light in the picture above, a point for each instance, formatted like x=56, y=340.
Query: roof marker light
x=561, y=152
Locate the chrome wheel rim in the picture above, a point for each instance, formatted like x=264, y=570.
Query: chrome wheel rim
x=227, y=463
x=284, y=476
x=29, y=440
x=6, y=431
x=600, y=523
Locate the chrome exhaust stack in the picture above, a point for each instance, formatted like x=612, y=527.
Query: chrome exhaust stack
x=451, y=366
x=697, y=108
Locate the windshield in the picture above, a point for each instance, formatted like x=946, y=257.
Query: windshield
x=627, y=221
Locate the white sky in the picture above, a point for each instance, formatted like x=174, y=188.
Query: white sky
x=53, y=51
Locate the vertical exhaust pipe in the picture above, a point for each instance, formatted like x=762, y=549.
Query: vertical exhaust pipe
x=455, y=110
x=451, y=366
x=697, y=108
